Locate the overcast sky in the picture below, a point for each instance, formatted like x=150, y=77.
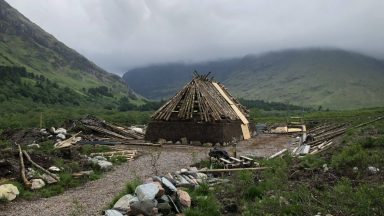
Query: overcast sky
x=121, y=34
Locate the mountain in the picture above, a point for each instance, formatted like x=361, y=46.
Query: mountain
x=332, y=78
x=24, y=44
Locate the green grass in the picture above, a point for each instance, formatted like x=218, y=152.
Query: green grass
x=293, y=186
x=128, y=189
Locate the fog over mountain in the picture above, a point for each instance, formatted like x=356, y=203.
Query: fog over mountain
x=122, y=34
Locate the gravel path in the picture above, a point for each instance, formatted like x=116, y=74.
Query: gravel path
x=94, y=196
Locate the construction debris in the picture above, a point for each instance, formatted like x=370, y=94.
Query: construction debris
x=68, y=142
x=129, y=154
x=277, y=154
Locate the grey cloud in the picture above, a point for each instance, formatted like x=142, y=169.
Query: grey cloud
x=121, y=34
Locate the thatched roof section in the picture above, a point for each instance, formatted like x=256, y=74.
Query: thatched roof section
x=199, y=101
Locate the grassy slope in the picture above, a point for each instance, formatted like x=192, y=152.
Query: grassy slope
x=335, y=79
x=22, y=43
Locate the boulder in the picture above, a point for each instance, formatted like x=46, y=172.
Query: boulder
x=112, y=212
x=37, y=184
x=146, y=207
x=122, y=204
x=105, y=165
x=184, y=198
x=147, y=191
x=8, y=192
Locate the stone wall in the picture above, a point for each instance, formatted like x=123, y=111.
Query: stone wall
x=194, y=131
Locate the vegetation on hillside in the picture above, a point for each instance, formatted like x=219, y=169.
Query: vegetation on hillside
x=330, y=78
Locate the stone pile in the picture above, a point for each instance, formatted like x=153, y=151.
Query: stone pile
x=160, y=195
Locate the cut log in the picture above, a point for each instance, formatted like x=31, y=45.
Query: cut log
x=232, y=170
x=27, y=183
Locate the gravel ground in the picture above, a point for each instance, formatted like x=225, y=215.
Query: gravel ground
x=94, y=196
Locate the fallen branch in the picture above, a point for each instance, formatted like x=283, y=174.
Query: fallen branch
x=231, y=170
x=22, y=169
x=39, y=167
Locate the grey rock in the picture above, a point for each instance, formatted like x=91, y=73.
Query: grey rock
x=193, y=169
x=112, y=212
x=146, y=191
x=168, y=185
x=177, y=142
x=54, y=169
x=60, y=131
x=146, y=207
x=48, y=179
x=99, y=157
x=373, y=169
x=37, y=184
x=105, y=165
x=355, y=169
x=31, y=173
x=122, y=204
x=61, y=136
x=164, y=208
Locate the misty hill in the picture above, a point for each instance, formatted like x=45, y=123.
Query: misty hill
x=332, y=78
x=23, y=44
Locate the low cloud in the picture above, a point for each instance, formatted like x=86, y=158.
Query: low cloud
x=122, y=34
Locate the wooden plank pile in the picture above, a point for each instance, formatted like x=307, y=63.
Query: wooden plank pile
x=109, y=130
x=129, y=154
x=233, y=162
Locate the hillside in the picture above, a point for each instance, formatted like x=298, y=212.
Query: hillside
x=332, y=78
x=24, y=44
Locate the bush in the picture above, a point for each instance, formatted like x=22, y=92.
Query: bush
x=350, y=156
